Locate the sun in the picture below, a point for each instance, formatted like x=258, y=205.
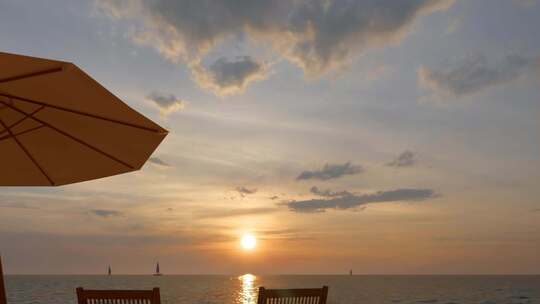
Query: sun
x=248, y=242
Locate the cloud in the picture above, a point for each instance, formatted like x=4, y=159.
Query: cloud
x=405, y=159
x=158, y=161
x=350, y=201
x=243, y=191
x=274, y=197
x=327, y=193
x=167, y=103
x=331, y=171
x=106, y=213
x=317, y=35
x=327, y=34
x=472, y=75
x=286, y=235
x=228, y=77
x=236, y=212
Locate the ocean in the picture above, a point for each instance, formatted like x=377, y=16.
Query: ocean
x=343, y=289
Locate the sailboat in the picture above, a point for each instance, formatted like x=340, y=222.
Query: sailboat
x=109, y=271
x=157, y=270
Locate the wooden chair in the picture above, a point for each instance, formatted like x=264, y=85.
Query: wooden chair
x=3, y=298
x=118, y=296
x=293, y=296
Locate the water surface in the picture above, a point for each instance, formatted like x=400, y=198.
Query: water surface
x=209, y=289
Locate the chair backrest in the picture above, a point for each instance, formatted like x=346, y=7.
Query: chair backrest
x=293, y=296
x=87, y=296
x=3, y=298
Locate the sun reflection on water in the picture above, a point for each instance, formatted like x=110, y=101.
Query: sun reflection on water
x=248, y=293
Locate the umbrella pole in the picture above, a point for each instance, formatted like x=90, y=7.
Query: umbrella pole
x=3, y=299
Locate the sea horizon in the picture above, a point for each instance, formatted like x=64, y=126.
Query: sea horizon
x=274, y=274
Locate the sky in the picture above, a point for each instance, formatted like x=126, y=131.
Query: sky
x=386, y=137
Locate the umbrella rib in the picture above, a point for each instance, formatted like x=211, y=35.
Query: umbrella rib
x=29, y=75
x=26, y=116
x=27, y=153
x=21, y=133
x=81, y=113
x=80, y=141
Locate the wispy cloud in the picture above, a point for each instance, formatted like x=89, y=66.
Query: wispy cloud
x=317, y=35
x=286, y=235
x=158, y=161
x=348, y=200
x=225, y=213
x=243, y=191
x=104, y=213
x=331, y=171
x=167, y=103
x=472, y=75
x=405, y=159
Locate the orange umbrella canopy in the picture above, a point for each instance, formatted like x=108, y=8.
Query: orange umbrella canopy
x=59, y=126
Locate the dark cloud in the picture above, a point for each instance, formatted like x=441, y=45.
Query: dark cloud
x=331, y=171
x=328, y=33
x=405, y=159
x=275, y=197
x=327, y=193
x=158, y=161
x=317, y=35
x=226, y=77
x=105, y=213
x=167, y=103
x=473, y=74
x=350, y=201
x=243, y=191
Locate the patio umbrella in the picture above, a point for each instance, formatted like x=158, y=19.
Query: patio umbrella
x=59, y=126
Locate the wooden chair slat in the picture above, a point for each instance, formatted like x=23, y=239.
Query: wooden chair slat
x=90, y=296
x=293, y=296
